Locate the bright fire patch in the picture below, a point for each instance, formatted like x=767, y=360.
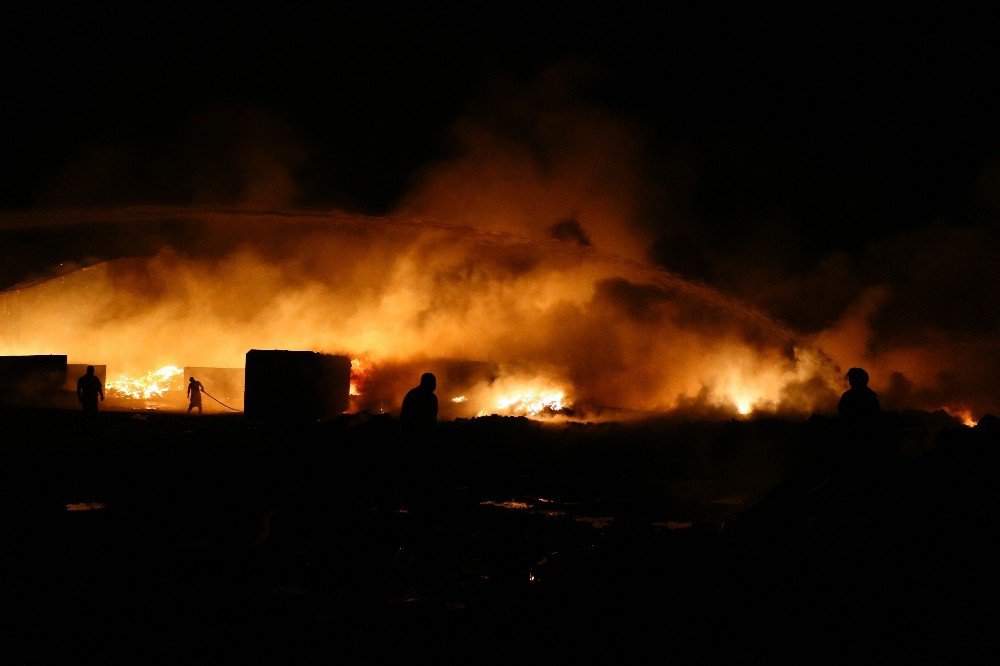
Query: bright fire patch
x=359, y=373
x=533, y=403
x=143, y=387
x=963, y=415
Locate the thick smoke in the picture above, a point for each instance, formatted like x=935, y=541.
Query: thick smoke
x=513, y=264
x=551, y=316
x=533, y=160
x=930, y=328
x=918, y=308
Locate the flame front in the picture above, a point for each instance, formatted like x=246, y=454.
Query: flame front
x=143, y=387
x=533, y=403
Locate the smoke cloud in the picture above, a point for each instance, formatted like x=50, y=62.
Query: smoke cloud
x=535, y=160
x=553, y=317
x=530, y=251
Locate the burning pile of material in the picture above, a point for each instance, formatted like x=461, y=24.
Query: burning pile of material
x=146, y=386
x=533, y=403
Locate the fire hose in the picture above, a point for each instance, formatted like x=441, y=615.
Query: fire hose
x=218, y=401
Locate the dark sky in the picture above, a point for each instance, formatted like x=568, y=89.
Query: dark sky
x=892, y=113
x=846, y=125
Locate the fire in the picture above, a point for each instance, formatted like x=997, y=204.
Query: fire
x=144, y=387
x=533, y=402
x=361, y=374
x=561, y=327
x=962, y=414
x=358, y=371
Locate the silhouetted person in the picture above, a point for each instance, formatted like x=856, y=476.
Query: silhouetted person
x=859, y=404
x=194, y=394
x=88, y=388
x=420, y=407
x=420, y=460
x=864, y=448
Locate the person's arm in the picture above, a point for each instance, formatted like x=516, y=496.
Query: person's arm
x=79, y=390
x=100, y=389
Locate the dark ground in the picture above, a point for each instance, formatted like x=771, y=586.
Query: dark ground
x=221, y=540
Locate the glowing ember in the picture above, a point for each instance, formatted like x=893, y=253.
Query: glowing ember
x=144, y=387
x=459, y=398
x=533, y=403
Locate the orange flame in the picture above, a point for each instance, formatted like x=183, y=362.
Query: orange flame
x=963, y=414
x=144, y=387
x=533, y=402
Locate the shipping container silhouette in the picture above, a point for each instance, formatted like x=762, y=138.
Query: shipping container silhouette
x=297, y=385
x=31, y=380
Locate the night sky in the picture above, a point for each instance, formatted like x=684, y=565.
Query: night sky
x=792, y=159
x=857, y=118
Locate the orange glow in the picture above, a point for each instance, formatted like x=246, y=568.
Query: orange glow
x=962, y=414
x=532, y=402
x=568, y=330
x=146, y=386
x=359, y=371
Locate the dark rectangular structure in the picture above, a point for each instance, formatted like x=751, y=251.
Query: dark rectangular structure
x=31, y=380
x=300, y=385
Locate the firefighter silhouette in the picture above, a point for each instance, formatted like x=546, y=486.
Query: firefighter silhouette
x=194, y=394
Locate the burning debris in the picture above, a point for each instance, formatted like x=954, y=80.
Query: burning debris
x=153, y=384
x=481, y=388
x=533, y=403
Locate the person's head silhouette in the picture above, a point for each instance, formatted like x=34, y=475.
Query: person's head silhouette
x=857, y=378
x=192, y=380
x=428, y=381
x=90, y=369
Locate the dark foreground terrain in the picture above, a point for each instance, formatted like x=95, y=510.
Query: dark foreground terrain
x=169, y=539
